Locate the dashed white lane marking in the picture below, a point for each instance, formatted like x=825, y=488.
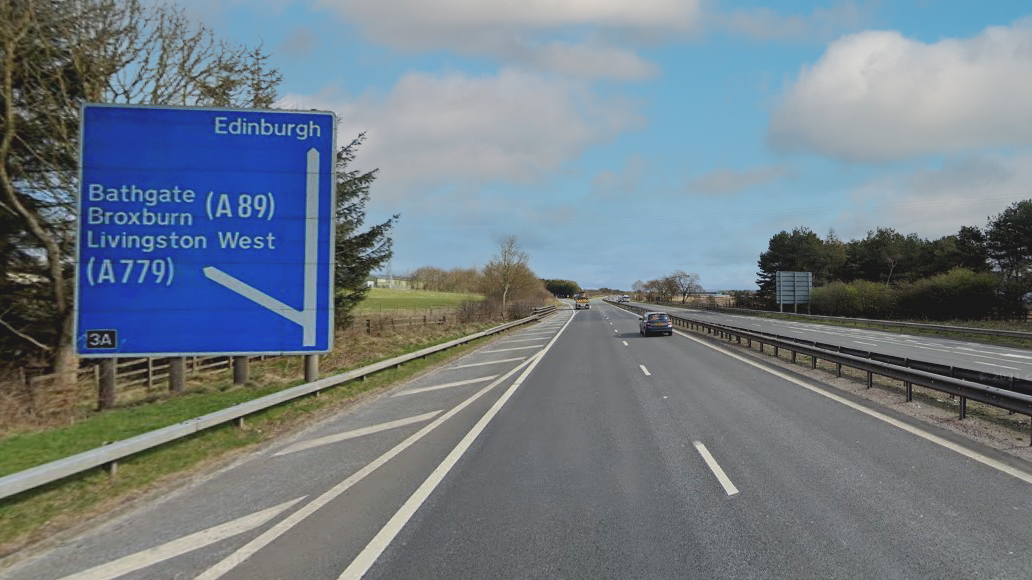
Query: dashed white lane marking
x=645, y=370
x=978, y=362
x=490, y=362
x=615, y=330
x=722, y=477
x=969, y=453
x=994, y=353
x=197, y=540
x=624, y=342
x=320, y=441
x=247, y=550
x=443, y=386
x=513, y=348
x=368, y=556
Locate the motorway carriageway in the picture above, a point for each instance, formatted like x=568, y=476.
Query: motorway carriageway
x=1000, y=360
x=578, y=448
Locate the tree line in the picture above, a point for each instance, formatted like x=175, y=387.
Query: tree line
x=975, y=273
x=56, y=55
x=506, y=278
x=678, y=284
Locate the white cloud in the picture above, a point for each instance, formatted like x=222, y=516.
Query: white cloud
x=727, y=181
x=767, y=24
x=610, y=185
x=301, y=42
x=936, y=202
x=547, y=34
x=877, y=96
x=459, y=130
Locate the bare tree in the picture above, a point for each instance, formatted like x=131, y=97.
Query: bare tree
x=56, y=54
x=685, y=284
x=508, y=275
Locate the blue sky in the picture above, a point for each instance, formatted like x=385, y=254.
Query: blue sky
x=623, y=139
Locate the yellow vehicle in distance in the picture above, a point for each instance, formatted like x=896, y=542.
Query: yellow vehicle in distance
x=581, y=301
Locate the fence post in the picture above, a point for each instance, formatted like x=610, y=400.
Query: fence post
x=176, y=374
x=150, y=373
x=311, y=367
x=368, y=326
x=241, y=370
x=106, y=387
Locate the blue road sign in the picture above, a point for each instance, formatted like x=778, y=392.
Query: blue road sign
x=204, y=231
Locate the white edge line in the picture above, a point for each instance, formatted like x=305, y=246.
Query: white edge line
x=194, y=541
x=490, y=362
x=969, y=453
x=722, y=477
x=443, y=386
x=338, y=437
x=511, y=348
x=368, y=556
x=249, y=549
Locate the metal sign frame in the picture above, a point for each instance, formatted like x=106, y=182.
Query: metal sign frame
x=793, y=288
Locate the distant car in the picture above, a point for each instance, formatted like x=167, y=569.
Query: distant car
x=651, y=322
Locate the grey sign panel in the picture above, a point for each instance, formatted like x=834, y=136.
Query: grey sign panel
x=793, y=287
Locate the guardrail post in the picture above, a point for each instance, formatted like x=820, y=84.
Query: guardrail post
x=963, y=407
x=838, y=370
x=106, y=387
x=240, y=370
x=910, y=390
x=793, y=357
x=311, y=367
x=870, y=379
x=777, y=351
x=813, y=362
x=176, y=374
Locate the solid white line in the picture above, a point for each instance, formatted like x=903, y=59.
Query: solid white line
x=645, y=370
x=312, y=245
x=513, y=348
x=249, y=549
x=978, y=362
x=541, y=340
x=867, y=343
x=337, y=438
x=151, y=556
x=443, y=386
x=722, y=477
x=368, y=556
x=490, y=362
x=253, y=294
x=969, y=453
x=625, y=343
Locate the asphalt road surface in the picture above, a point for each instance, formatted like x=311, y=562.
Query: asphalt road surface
x=579, y=449
x=975, y=356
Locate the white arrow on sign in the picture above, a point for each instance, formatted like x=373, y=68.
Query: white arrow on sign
x=306, y=316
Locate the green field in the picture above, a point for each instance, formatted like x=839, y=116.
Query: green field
x=381, y=299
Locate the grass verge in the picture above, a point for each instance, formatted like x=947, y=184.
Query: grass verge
x=37, y=514
x=382, y=299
